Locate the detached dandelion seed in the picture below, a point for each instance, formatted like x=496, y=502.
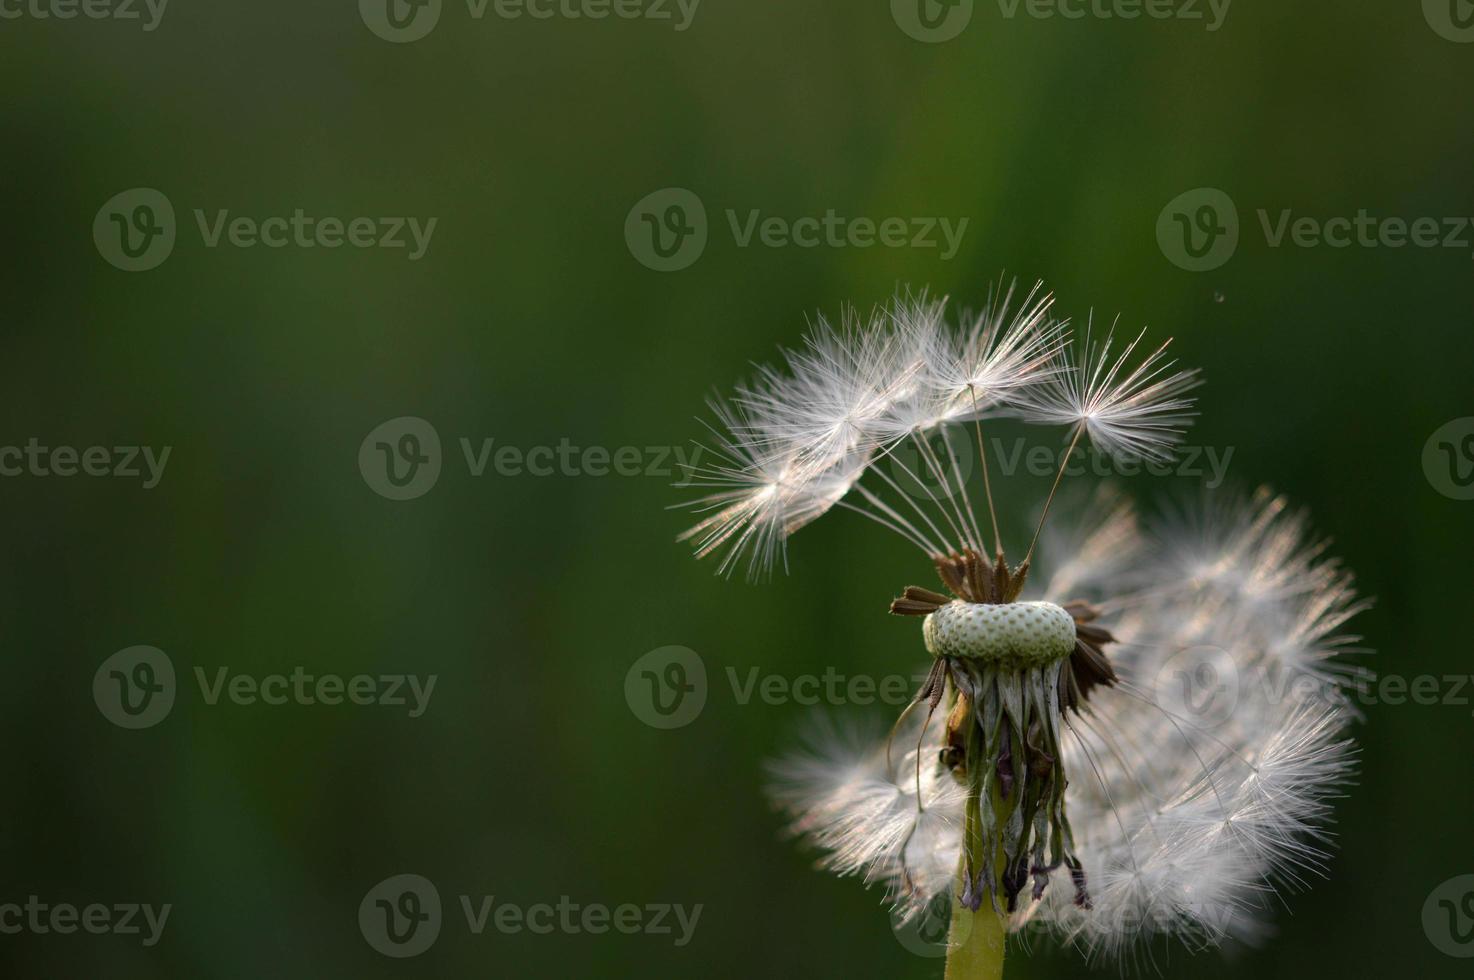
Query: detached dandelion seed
x=1047, y=776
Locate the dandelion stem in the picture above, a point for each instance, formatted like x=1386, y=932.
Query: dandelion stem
x=977, y=939
x=976, y=943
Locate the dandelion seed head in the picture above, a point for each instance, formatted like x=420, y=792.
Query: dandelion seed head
x=1191, y=683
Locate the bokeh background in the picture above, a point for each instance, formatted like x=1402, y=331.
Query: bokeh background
x=530, y=321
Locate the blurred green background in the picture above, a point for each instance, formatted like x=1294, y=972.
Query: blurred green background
x=529, y=321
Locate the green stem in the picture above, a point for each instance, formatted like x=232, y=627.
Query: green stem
x=977, y=940
x=975, y=945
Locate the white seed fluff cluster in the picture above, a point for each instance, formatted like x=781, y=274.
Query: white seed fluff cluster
x=1017, y=634
x=793, y=443
x=1190, y=816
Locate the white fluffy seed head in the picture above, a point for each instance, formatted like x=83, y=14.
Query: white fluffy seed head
x=795, y=440
x=1015, y=635
x=1188, y=823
